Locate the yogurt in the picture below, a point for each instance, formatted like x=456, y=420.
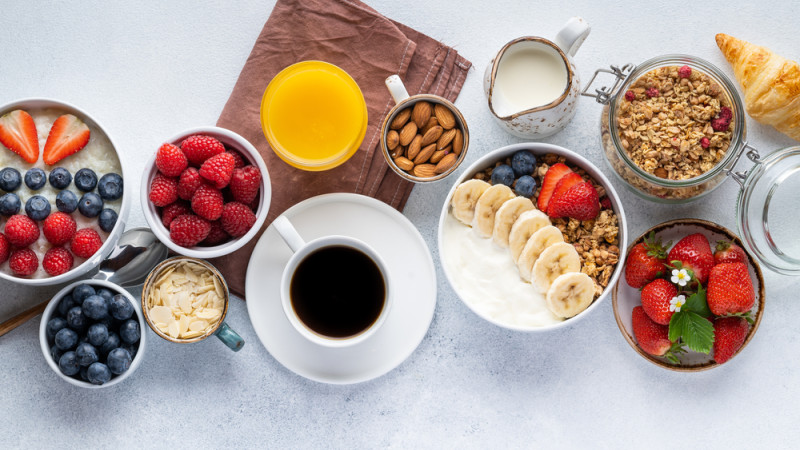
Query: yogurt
x=486, y=278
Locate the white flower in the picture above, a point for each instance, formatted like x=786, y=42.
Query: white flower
x=680, y=277
x=676, y=303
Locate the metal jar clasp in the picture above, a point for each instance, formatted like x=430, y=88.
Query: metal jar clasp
x=604, y=94
x=752, y=155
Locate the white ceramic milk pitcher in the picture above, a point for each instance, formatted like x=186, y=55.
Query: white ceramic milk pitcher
x=532, y=85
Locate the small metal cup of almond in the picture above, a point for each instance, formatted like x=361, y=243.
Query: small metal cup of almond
x=424, y=137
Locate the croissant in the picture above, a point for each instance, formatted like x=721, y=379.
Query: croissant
x=771, y=84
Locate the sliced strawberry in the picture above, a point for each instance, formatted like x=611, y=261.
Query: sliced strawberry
x=18, y=133
x=551, y=178
x=67, y=136
x=578, y=202
x=563, y=185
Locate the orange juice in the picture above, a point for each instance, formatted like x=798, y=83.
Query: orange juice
x=314, y=115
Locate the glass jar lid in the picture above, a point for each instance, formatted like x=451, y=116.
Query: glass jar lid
x=768, y=209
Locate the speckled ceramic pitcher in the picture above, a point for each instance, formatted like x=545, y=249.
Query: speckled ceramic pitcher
x=538, y=121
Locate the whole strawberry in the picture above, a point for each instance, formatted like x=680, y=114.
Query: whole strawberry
x=188, y=183
x=645, y=262
x=163, y=190
x=652, y=337
x=237, y=219
x=86, y=243
x=188, y=230
x=59, y=228
x=207, y=202
x=23, y=262
x=579, y=202
x=728, y=252
x=694, y=252
x=172, y=211
x=245, y=184
x=729, y=335
x=170, y=160
x=21, y=231
x=730, y=289
x=5, y=248
x=657, y=298
x=57, y=261
x=218, y=169
x=199, y=148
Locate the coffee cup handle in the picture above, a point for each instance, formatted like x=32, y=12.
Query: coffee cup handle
x=572, y=35
x=229, y=337
x=288, y=233
x=396, y=88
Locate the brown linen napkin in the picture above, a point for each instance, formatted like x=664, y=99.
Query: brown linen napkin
x=369, y=47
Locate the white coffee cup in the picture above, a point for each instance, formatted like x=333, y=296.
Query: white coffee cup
x=302, y=250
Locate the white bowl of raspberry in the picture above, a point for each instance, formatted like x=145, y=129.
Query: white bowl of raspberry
x=63, y=204
x=205, y=192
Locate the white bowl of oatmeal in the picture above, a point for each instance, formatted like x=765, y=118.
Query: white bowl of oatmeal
x=484, y=274
x=100, y=155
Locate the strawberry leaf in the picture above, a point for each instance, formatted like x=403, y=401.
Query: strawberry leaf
x=694, y=329
x=697, y=303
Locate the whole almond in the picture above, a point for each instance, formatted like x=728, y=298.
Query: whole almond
x=446, y=118
x=437, y=156
x=432, y=122
x=424, y=170
x=425, y=154
x=404, y=163
x=421, y=113
x=392, y=139
x=400, y=119
x=446, y=163
x=445, y=138
x=458, y=142
x=398, y=151
x=432, y=135
x=414, y=147
x=407, y=133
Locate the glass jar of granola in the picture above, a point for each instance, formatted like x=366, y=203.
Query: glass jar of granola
x=672, y=127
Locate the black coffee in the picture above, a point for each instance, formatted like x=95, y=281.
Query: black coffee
x=337, y=291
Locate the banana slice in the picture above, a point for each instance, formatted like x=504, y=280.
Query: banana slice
x=540, y=240
x=487, y=206
x=465, y=197
x=570, y=294
x=555, y=260
x=527, y=223
x=506, y=217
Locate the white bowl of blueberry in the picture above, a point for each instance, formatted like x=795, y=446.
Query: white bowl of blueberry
x=91, y=334
x=62, y=194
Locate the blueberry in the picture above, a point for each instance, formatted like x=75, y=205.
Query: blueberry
x=90, y=205
x=10, y=179
x=9, y=204
x=98, y=373
x=131, y=348
x=60, y=178
x=95, y=307
x=129, y=331
x=37, y=208
x=97, y=334
x=66, y=339
x=110, y=344
x=85, y=180
x=75, y=318
x=108, y=218
x=121, y=308
x=82, y=292
x=523, y=162
x=68, y=363
x=84, y=373
x=525, y=186
x=67, y=202
x=106, y=294
x=35, y=179
x=119, y=360
x=110, y=186
x=54, y=326
x=87, y=354
x=56, y=353
x=83, y=339
x=503, y=175
x=65, y=304
x=108, y=321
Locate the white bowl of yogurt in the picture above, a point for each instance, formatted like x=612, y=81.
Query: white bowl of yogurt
x=100, y=154
x=485, y=276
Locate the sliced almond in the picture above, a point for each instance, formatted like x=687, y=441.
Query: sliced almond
x=425, y=154
x=400, y=119
x=414, y=147
x=392, y=139
x=404, y=163
x=432, y=135
x=446, y=163
x=424, y=170
x=445, y=139
x=160, y=314
x=445, y=117
x=458, y=142
x=421, y=113
x=407, y=133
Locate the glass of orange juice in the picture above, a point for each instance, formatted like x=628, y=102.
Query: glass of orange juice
x=314, y=115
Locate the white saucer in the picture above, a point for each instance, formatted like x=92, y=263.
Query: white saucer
x=397, y=240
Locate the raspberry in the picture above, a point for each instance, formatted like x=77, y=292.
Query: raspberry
x=685, y=72
x=726, y=113
x=5, y=248
x=630, y=96
x=21, y=231
x=245, y=184
x=163, y=190
x=217, y=235
x=207, y=202
x=56, y=261
x=172, y=211
x=170, y=160
x=238, y=159
x=218, y=169
x=188, y=230
x=199, y=148
x=86, y=243
x=652, y=92
x=720, y=124
x=605, y=202
x=705, y=142
x=23, y=262
x=237, y=219
x=188, y=183
x=59, y=228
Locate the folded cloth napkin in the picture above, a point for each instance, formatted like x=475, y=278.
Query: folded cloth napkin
x=369, y=47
